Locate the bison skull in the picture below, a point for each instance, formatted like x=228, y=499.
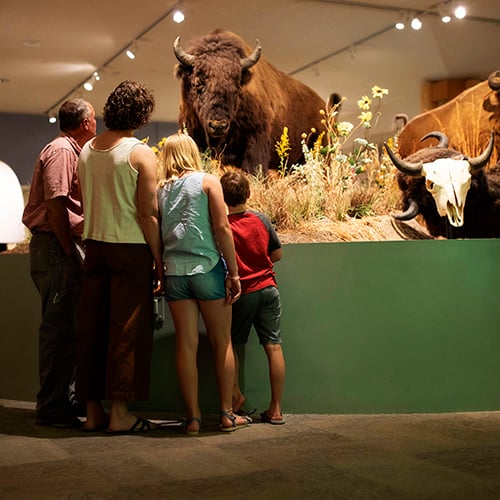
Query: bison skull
x=448, y=180
x=447, y=176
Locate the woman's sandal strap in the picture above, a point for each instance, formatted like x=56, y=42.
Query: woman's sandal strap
x=229, y=415
x=185, y=423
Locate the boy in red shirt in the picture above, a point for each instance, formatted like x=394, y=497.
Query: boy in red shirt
x=257, y=248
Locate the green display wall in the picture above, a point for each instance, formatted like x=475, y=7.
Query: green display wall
x=392, y=326
x=369, y=327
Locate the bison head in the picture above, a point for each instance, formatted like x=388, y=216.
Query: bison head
x=212, y=75
x=447, y=178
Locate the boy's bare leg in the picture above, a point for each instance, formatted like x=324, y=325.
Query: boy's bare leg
x=238, y=397
x=277, y=371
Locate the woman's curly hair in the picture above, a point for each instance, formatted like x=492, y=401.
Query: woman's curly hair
x=128, y=107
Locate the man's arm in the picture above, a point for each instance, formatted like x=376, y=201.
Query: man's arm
x=59, y=223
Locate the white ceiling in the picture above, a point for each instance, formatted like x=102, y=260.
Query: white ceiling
x=72, y=39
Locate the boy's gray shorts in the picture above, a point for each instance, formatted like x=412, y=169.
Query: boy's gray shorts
x=262, y=309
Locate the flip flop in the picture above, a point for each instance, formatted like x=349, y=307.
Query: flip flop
x=264, y=417
x=140, y=425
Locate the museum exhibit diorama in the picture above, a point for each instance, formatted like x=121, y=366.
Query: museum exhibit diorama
x=381, y=178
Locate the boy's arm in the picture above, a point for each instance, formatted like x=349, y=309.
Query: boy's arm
x=276, y=255
x=274, y=250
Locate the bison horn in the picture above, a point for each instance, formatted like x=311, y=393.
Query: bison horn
x=252, y=59
x=182, y=56
x=410, y=213
x=494, y=80
x=443, y=140
x=481, y=160
x=405, y=166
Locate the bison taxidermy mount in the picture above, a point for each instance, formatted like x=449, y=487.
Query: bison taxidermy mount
x=235, y=103
x=456, y=195
x=467, y=120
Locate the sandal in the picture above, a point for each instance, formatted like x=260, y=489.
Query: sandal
x=245, y=413
x=186, y=422
x=234, y=426
x=140, y=425
x=264, y=417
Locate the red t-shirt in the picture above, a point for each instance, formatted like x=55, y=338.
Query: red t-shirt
x=254, y=240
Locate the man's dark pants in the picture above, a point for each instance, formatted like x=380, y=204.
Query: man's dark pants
x=57, y=278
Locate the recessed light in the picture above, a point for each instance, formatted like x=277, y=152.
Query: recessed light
x=32, y=43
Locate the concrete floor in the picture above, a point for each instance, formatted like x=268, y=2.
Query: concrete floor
x=417, y=456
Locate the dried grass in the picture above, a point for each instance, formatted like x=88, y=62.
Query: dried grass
x=315, y=193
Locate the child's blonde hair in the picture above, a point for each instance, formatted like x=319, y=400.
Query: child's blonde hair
x=180, y=154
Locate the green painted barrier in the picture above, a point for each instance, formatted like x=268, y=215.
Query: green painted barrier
x=368, y=327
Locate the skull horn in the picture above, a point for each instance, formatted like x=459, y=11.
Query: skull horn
x=442, y=138
x=481, y=160
x=406, y=167
x=252, y=59
x=182, y=56
x=410, y=213
x=494, y=80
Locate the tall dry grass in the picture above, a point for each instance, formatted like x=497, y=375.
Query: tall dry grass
x=322, y=191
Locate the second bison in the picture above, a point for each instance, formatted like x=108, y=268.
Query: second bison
x=455, y=195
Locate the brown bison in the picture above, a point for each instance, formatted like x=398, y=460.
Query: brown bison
x=455, y=195
x=234, y=102
x=467, y=120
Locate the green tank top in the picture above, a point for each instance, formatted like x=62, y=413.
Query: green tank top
x=189, y=245
x=108, y=184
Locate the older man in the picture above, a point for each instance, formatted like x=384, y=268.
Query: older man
x=54, y=216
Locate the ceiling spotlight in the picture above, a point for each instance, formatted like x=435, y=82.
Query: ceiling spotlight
x=96, y=76
x=178, y=16
x=402, y=21
x=445, y=11
x=460, y=12
x=416, y=23
x=88, y=86
x=52, y=118
x=130, y=52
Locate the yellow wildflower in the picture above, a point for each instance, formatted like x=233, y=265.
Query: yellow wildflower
x=379, y=92
x=364, y=103
x=318, y=143
x=283, y=145
x=282, y=148
x=365, y=116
